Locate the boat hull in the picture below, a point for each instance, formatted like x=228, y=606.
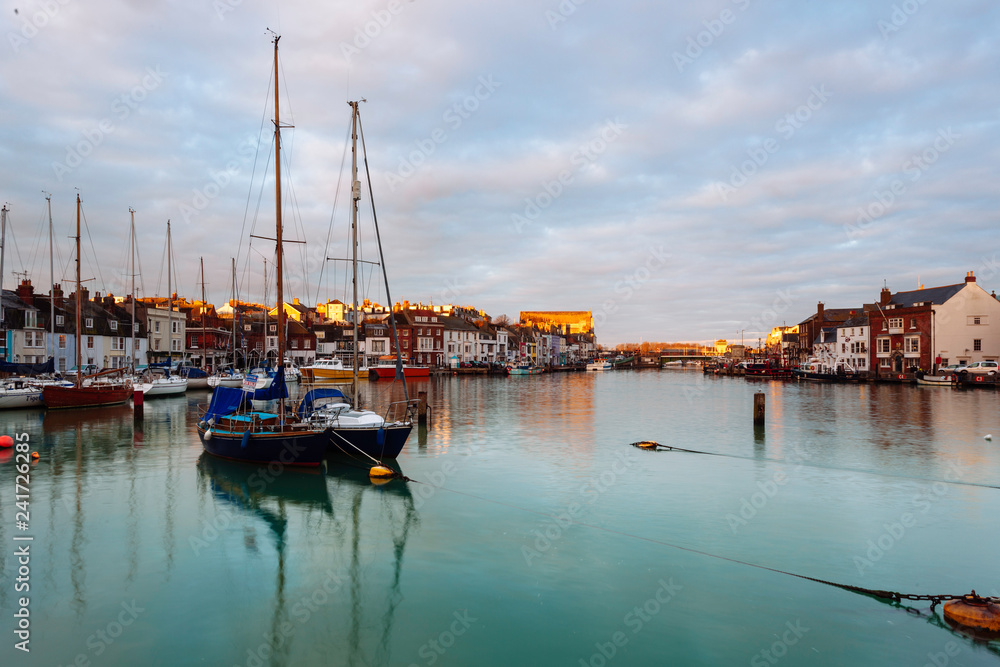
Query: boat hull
x=389, y=372
x=367, y=440
x=197, y=383
x=13, y=399
x=326, y=374
x=938, y=380
x=290, y=448
x=152, y=390
x=93, y=396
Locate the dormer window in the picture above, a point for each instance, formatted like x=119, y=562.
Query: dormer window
x=114, y=325
x=274, y=328
x=89, y=323
x=60, y=320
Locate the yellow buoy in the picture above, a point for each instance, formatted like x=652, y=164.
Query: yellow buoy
x=381, y=472
x=973, y=611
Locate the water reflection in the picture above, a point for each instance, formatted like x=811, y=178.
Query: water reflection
x=337, y=504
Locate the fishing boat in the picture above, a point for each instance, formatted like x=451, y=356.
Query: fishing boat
x=325, y=370
x=949, y=380
x=524, y=369
x=599, y=365
x=233, y=430
x=96, y=390
x=387, y=366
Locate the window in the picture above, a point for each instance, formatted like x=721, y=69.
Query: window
x=135, y=327
x=60, y=320
x=272, y=341
x=273, y=328
x=912, y=344
x=194, y=341
x=884, y=326
x=175, y=346
x=246, y=327
x=977, y=345
x=30, y=319
x=307, y=345
x=89, y=323
x=320, y=335
x=378, y=346
x=295, y=343
x=882, y=345
x=62, y=364
x=895, y=322
x=117, y=343
x=113, y=324
x=62, y=341
x=90, y=342
x=34, y=339
x=175, y=327
x=156, y=326
x=137, y=343
x=156, y=344
x=913, y=323
x=883, y=363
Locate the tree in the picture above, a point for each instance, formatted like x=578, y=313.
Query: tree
x=501, y=321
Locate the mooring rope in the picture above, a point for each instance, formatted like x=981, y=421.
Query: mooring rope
x=655, y=446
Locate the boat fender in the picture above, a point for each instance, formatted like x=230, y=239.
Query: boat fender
x=208, y=434
x=246, y=439
x=988, y=436
x=6, y=441
x=974, y=612
x=380, y=437
x=646, y=444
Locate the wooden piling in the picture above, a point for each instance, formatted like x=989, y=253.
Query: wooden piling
x=422, y=407
x=758, y=409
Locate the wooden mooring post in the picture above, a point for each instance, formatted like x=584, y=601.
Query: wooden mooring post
x=758, y=409
x=423, y=410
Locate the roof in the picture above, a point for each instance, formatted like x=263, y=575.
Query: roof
x=854, y=322
x=936, y=295
x=833, y=315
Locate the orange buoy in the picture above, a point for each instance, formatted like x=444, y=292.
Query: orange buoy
x=6, y=441
x=381, y=473
x=34, y=455
x=973, y=611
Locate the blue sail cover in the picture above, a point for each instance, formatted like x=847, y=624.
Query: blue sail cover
x=225, y=401
x=277, y=389
x=191, y=372
x=306, y=406
x=28, y=369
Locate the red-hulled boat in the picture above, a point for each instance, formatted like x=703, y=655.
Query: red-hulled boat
x=386, y=370
x=93, y=392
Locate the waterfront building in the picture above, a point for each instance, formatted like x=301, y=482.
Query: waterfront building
x=460, y=338
x=853, y=342
x=938, y=326
x=578, y=321
x=800, y=348
x=421, y=336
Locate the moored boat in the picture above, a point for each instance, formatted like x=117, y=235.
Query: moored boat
x=949, y=380
x=599, y=365
x=325, y=370
x=524, y=369
x=386, y=369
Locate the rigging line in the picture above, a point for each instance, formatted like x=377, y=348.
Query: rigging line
x=333, y=213
x=847, y=587
x=823, y=467
x=10, y=230
x=253, y=171
x=94, y=251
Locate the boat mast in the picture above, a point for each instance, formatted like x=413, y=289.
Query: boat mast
x=3, y=248
x=131, y=337
x=234, y=314
x=52, y=278
x=204, y=342
x=355, y=196
x=277, y=222
x=79, y=305
x=170, y=307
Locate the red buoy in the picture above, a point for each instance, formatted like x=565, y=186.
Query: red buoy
x=6, y=441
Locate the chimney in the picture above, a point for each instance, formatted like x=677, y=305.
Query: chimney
x=97, y=297
x=819, y=311
x=295, y=301
x=25, y=292
x=885, y=297
x=969, y=278
x=57, y=295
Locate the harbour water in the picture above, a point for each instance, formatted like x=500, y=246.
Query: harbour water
x=532, y=534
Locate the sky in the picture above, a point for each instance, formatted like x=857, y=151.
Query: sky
x=686, y=171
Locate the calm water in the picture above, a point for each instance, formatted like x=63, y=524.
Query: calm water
x=538, y=536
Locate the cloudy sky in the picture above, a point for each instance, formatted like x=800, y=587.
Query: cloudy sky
x=684, y=170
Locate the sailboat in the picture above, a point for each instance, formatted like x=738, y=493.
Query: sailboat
x=162, y=381
x=228, y=429
x=96, y=390
x=354, y=430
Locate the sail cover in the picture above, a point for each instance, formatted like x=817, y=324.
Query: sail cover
x=306, y=406
x=225, y=401
x=28, y=369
